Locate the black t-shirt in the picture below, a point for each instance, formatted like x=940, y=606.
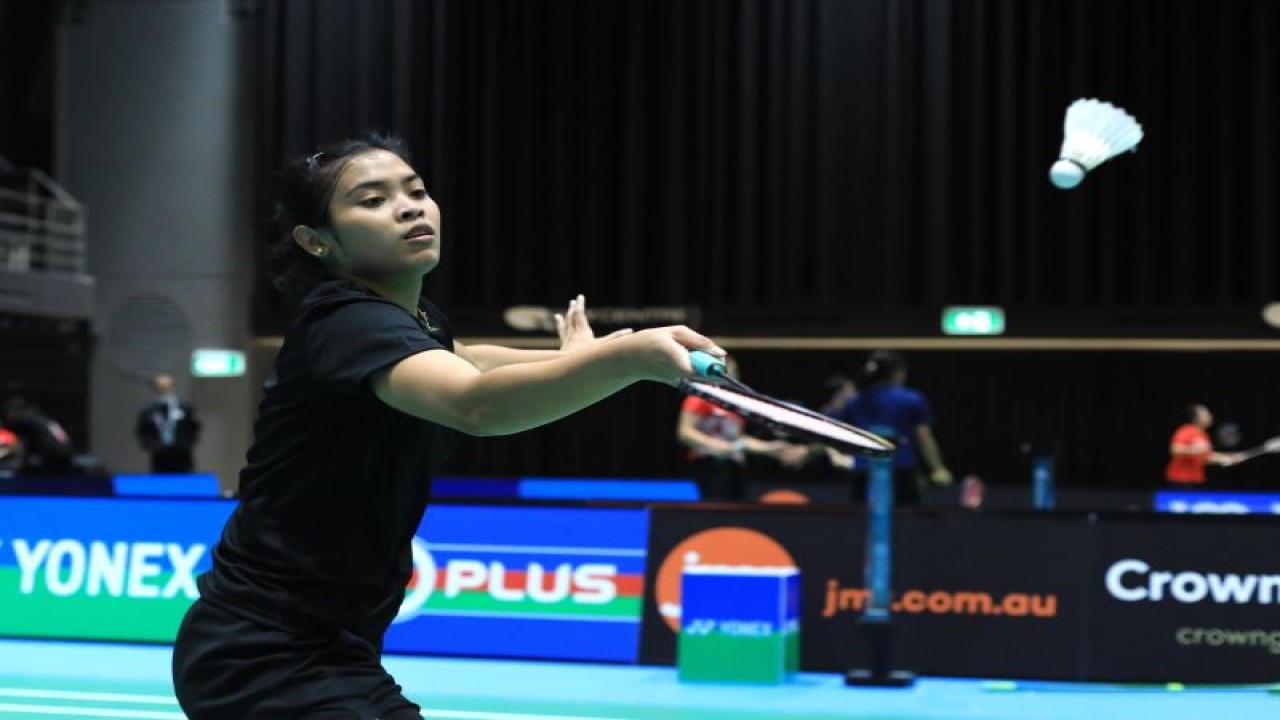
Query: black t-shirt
x=336, y=481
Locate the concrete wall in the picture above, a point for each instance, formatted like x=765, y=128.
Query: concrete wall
x=153, y=136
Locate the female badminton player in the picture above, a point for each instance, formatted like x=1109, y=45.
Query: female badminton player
x=365, y=397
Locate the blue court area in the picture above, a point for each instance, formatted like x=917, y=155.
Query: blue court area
x=58, y=679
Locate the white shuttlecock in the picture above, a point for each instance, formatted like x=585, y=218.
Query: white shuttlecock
x=1092, y=133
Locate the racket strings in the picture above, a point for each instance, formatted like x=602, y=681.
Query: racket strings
x=735, y=384
x=789, y=418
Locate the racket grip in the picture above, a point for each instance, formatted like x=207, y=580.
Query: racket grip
x=706, y=364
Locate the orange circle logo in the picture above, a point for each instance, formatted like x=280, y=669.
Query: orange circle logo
x=718, y=546
x=785, y=497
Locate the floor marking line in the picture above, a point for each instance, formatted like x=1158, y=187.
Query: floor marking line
x=89, y=712
x=479, y=715
x=36, y=694
x=89, y=696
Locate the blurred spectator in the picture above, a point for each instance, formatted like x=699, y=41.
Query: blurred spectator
x=167, y=429
x=886, y=406
x=46, y=446
x=840, y=390
x=1190, y=450
x=10, y=454
x=717, y=446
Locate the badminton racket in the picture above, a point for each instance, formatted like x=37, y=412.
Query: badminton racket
x=1266, y=448
x=784, y=418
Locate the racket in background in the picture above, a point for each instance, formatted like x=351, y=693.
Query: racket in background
x=786, y=419
x=1269, y=447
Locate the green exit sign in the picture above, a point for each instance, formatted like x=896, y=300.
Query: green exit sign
x=973, y=321
x=217, y=362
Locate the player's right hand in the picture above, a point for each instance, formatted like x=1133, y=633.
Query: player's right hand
x=662, y=354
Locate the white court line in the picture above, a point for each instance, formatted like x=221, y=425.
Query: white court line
x=169, y=700
x=433, y=713
x=88, y=696
x=89, y=712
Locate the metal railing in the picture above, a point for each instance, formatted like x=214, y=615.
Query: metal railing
x=41, y=225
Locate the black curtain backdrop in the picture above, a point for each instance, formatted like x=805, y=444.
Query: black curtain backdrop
x=788, y=164
x=806, y=153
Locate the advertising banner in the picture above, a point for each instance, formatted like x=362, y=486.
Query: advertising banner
x=1217, y=503
x=972, y=596
x=992, y=595
x=534, y=582
x=102, y=568
x=1186, y=598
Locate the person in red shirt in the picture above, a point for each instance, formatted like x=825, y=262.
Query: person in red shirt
x=1190, y=450
x=10, y=454
x=716, y=446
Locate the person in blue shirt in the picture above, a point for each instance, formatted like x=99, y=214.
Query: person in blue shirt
x=886, y=406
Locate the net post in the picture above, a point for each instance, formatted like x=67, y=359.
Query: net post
x=1042, y=494
x=876, y=624
x=1042, y=454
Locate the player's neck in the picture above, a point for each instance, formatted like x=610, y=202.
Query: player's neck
x=403, y=292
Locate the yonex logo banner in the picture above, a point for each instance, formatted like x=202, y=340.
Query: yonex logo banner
x=556, y=583
x=93, y=568
x=561, y=583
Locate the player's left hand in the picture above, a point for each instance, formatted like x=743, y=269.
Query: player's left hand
x=575, y=331
x=941, y=476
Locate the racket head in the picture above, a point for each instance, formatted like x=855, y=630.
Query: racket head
x=789, y=420
x=1266, y=448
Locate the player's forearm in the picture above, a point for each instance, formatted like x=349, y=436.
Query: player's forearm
x=489, y=357
x=520, y=396
x=444, y=388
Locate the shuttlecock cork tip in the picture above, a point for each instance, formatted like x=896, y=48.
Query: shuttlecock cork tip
x=1066, y=174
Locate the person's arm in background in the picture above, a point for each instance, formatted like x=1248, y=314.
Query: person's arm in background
x=768, y=448
x=926, y=443
x=1224, y=459
x=145, y=430
x=1186, y=444
x=796, y=456
x=688, y=435
x=932, y=455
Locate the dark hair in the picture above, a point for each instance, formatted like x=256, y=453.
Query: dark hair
x=305, y=187
x=1191, y=412
x=881, y=365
